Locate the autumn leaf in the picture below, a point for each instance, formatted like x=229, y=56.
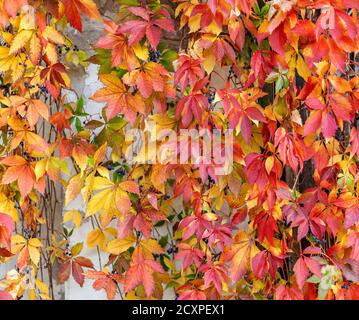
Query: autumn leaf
x=75, y=267
x=118, y=99
x=13, y=6
x=302, y=268
x=141, y=272
x=73, y=9
x=6, y=228
x=150, y=25
x=122, y=53
x=21, y=171
x=119, y=246
x=239, y=255
x=104, y=281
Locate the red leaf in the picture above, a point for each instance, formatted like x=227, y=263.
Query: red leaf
x=313, y=123
x=5, y=295
x=73, y=8
x=77, y=273
x=13, y=6
x=104, y=281
x=84, y=262
x=312, y=250
x=301, y=272
x=328, y=125
x=313, y=266
x=260, y=264
x=351, y=216
x=64, y=272
x=285, y=293
x=278, y=39
x=141, y=272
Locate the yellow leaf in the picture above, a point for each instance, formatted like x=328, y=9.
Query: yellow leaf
x=241, y=252
x=42, y=287
x=53, y=35
x=96, y=238
x=34, y=254
x=100, y=201
x=209, y=61
x=20, y=40
x=34, y=242
x=73, y=188
x=280, y=109
x=169, y=263
x=8, y=207
x=35, y=49
x=302, y=68
x=32, y=294
x=102, y=183
x=151, y=246
x=269, y=164
x=104, y=172
x=40, y=168
x=111, y=231
x=73, y=215
x=119, y=246
x=17, y=239
x=100, y=154
x=76, y=249
x=194, y=22
x=140, y=51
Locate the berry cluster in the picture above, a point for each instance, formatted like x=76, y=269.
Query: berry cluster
x=154, y=55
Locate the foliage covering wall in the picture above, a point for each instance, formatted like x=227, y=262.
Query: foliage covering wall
x=283, y=224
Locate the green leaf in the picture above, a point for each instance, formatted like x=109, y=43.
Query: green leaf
x=78, y=124
x=163, y=241
x=129, y=2
x=279, y=84
x=170, y=55
x=102, y=58
x=257, y=10
x=313, y=279
x=272, y=77
x=80, y=105
x=77, y=248
x=171, y=284
x=117, y=123
x=265, y=10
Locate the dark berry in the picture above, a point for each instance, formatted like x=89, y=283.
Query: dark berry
x=211, y=96
x=121, y=172
x=27, y=233
x=154, y=55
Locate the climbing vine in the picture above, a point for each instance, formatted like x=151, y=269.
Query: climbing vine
x=276, y=219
